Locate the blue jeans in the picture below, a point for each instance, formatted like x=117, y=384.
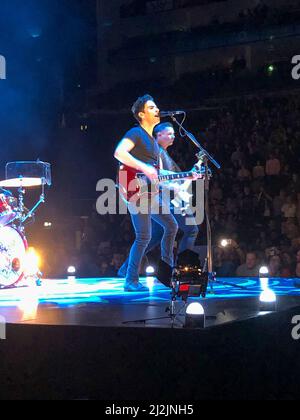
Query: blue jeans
x=190, y=233
x=142, y=224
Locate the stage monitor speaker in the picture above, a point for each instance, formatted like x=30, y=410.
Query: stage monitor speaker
x=164, y=273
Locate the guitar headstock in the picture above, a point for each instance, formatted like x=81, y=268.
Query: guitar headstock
x=200, y=172
x=201, y=157
x=199, y=167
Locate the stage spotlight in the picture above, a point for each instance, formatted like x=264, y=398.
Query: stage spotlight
x=150, y=270
x=194, y=316
x=71, y=273
x=271, y=69
x=35, y=31
x=32, y=262
x=263, y=270
x=264, y=281
x=71, y=269
x=267, y=301
x=225, y=242
x=47, y=224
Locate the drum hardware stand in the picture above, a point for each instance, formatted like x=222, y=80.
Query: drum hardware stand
x=208, y=264
x=41, y=201
x=37, y=276
x=21, y=193
x=21, y=213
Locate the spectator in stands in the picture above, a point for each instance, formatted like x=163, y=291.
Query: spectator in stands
x=87, y=266
x=237, y=155
x=116, y=262
x=258, y=171
x=243, y=173
x=104, y=269
x=222, y=266
x=289, y=208
x=295, y=185
x=274, y=265
x=250, y=268
x=272, y=166
x=216, y=192
x=297, y=271
x=286, y=260
x=278, y=203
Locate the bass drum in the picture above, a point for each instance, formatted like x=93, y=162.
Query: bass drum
x=8, y=209
x=13, y=246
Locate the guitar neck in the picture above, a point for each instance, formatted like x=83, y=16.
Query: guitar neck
x=179, y=175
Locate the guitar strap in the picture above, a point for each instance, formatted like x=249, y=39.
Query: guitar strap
x=158, y=162
x=167, y=162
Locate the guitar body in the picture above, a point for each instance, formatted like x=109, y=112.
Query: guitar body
x=134, y=185
x=183, y=195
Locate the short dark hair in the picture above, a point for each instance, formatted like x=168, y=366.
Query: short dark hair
x=139, y=105
x=161, y=127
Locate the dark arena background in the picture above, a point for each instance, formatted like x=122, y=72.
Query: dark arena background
x=227, y=325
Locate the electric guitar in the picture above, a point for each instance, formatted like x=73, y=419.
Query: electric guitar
x=134, y=185
x=183, y=197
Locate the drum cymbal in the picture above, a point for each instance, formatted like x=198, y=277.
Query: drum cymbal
x=21, y=182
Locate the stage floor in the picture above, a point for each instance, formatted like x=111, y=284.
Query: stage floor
x=102, y=302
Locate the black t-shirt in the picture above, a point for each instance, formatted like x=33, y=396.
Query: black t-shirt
x=167, y=162
x=146, y=147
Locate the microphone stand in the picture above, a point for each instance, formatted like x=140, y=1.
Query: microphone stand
x=208, y=264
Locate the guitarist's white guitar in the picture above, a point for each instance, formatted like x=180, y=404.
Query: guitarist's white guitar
x=183, y=197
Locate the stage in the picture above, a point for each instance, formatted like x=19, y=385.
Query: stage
x=102, y=302
x=88, y=339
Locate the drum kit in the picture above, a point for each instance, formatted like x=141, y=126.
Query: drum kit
x=13, y=217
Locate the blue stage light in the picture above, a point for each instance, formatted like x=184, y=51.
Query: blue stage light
x=35, y=32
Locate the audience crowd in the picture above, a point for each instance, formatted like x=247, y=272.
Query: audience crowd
x=254, y=198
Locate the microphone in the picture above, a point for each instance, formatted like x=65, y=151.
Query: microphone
x=170, y=113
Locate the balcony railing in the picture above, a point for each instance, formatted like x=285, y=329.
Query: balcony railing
x=217, y=36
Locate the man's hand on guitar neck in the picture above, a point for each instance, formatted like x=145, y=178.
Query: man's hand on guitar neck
x=194, y=174
x=149, y=171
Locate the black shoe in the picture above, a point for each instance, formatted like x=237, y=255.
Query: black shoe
x=135, y=287
x=164, y=273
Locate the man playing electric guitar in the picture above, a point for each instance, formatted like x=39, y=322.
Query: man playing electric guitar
x=140, y=151
x=164, y=135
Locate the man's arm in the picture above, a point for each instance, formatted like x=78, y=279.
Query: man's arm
x=123, y=155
